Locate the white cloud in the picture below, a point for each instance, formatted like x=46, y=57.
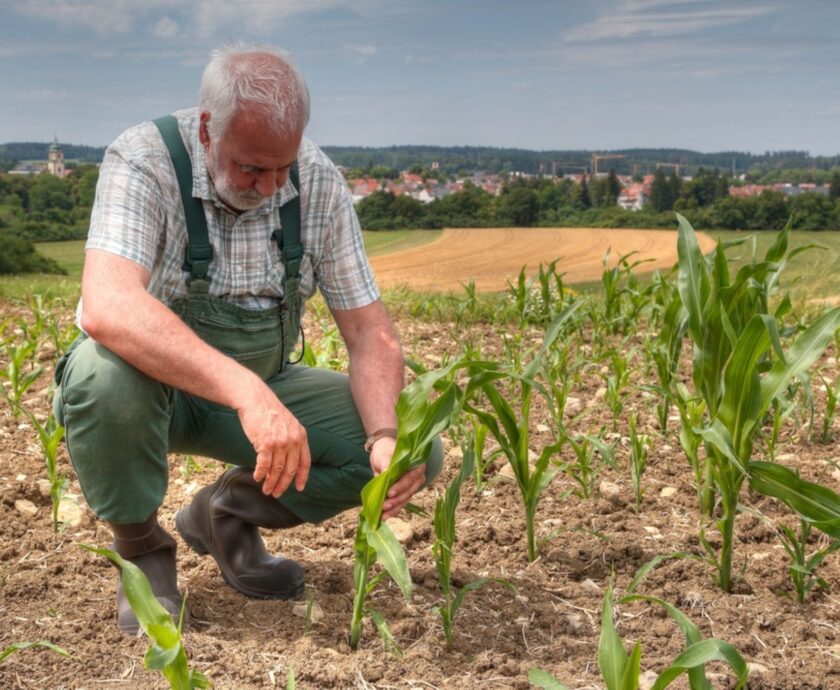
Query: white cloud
x=166, y=27
x=662, y=18
x=103, y=16
x=364, y=50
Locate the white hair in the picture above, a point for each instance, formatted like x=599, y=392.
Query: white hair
x=241, y=74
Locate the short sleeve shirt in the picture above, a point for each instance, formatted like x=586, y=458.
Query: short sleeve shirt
x=138, y=215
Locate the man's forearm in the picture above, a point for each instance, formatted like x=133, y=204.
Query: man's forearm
x=376, y=379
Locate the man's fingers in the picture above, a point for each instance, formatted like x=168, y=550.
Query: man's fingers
x=408, y=480
x=303, y=468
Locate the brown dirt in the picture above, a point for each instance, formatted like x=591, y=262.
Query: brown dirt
x=491, y=256
x=51, y=589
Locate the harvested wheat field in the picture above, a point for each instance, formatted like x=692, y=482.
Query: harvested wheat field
x=491, y=256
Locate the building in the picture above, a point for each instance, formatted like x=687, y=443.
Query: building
x=55, y=159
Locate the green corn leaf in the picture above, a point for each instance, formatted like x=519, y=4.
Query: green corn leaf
x=385, y=632
x=816, y=504
x=44, y=644
x=612, y=659
x=630, y=677
x=390, y=555
x=542, y=679
x=803, y=353
x=158, y=658
x=642, y=572
x=475, y=585
x=718, y=436
x=701, y=653
x=693, y=279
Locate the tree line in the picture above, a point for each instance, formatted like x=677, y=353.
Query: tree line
x=543, y=201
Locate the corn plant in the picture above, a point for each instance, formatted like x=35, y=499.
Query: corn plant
x=832, y=391
x=620, y=671
x=19, y=373
x=166, y=653
x=42, y=644
x=692, y=411
x=512, y=430
x=444, y=522
x=617, y=282
x=616, y=381
x=586, y=469
x=733, y=339
x=817, y=507
x=328, y=353
x=639, y=444
x=419, y=422
x=50, y=435
x=476, y=442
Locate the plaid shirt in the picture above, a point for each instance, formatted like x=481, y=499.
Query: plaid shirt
x=138, y=215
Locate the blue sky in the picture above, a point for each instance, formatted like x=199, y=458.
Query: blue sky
x=747, y=75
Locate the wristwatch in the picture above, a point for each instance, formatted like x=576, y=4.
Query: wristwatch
x=376, y=435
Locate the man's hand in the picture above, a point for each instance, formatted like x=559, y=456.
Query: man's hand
x=405, y=487
x=280, y=442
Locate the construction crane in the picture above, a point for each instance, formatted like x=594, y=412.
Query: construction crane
x=601, y=157
x=565, y=164
x=675, y=166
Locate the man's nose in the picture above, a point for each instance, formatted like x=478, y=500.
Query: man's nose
x=266, y=183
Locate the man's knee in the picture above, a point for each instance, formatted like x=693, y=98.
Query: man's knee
x=96, y=380
x=434, y=461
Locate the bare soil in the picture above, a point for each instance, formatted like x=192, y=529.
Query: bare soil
x=51, y=589
x=491, y=256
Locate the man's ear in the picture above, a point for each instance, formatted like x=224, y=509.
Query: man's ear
x=203, y=132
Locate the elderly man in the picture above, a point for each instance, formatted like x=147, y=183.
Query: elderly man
x=209, y=231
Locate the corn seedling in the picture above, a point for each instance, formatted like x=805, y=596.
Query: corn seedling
x=328, y=352
x=512, y=431
x=166, y=653
x=620, y=671
x=639, y=444
x=585, y=470
x=616, y=381
x=817, y=507
x=43, y=644
x=442, y=549
x=733, y=368
x=832, y=391
x=419, y=423
x=19, y=376
x=50, y=435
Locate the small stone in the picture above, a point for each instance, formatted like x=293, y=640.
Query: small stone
x=786, y=457
x=21, y=478
x=69, y=510
x=831, y=361
x=190, y=488
x=667, y=492
x=609, y=488
x=507, y=471
x=542, y=428
x=456, y=452
x=402, y=530
x=26, y=507
x=44, y=487
x=757, y=669
x=761, y=555
x=575, y=621
x=674, y=418
x=301, y=608
x=665, y=448
x=572, y=405
x=647, y=679
x=601, y=393
x=653, y=531
x=590, y=585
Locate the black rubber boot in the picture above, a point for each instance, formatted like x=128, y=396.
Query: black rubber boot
x=223, y=520
x=152, y=549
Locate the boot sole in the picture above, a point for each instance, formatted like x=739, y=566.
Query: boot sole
x=197, y=544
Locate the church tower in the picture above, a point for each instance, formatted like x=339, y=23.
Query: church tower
x=55, y=161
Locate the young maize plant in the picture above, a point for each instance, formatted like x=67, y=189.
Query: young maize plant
x=43, y=644
x=50, y=434
x=616, y=382
x=419, y=421
x=444, y=522
x=639, y=444
x=620, y=671
x=733, y=368
x=19, y=373
x=512, y=431
x=832, y=392
x=166, y=653
x=817, y=507
x=619, y=281
x=585, y=470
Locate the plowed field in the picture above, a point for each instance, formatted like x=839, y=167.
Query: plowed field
x=490, y=256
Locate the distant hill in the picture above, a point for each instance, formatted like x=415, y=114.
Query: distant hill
x=33, y=150
x=452, y=159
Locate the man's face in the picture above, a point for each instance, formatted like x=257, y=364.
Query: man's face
x=248, y=163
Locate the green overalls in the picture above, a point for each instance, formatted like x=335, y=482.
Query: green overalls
x=121, y=424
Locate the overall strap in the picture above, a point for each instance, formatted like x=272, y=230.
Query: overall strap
x=291, y=250
x=199, y=250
